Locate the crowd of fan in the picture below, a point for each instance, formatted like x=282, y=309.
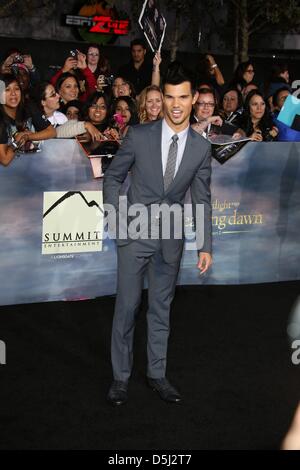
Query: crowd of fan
x=84, y=99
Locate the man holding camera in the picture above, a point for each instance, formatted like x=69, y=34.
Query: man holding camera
x=15, y=60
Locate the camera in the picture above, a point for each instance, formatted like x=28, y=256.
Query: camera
x=103, y=81
x=109, y=80
x=18, y=59
x=73, y=53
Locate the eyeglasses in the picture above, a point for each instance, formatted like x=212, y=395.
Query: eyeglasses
x=93, y=54
x=98, y=106
x=202, y=104
x=250, y=70
x=53, y=95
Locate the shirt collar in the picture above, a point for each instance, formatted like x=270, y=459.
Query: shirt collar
x=169, y=132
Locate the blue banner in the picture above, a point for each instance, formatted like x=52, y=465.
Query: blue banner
x=51, y=244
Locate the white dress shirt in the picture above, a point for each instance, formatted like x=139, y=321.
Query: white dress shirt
x=166, y=140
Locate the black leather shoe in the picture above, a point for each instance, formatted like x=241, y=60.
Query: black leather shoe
x=117, y=394
x=165, y=390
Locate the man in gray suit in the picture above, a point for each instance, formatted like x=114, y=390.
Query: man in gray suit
x=165, y=159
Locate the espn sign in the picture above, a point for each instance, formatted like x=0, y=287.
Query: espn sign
x=99, y=24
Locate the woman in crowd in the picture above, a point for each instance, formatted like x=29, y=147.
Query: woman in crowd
x=19, y=124
x=206, y=119
x=67, y=86
x=96, y=113
x=124, y=114
x=243, y=75
x=122, y=87
x=76, y=66
x=150, y=104
x=231, y=105
x=96, y=62
x=256, y=120
x=46, y=97
x=47, y=100
x=96, y=110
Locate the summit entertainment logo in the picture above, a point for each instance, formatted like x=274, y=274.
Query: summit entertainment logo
x=72, y=222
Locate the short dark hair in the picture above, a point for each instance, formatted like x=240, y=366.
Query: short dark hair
x=275, y=97
x=237, y=91
x=177, y=74
x=211, y=91
x=75, y=104
x=138, y=42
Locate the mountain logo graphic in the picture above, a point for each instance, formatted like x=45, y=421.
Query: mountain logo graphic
x=72, y=222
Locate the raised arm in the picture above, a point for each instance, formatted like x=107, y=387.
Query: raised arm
x=155, y=80
x=215, y=71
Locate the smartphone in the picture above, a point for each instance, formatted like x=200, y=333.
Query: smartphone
x=73, y=53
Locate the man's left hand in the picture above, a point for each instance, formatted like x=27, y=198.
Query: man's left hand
x=205, y=261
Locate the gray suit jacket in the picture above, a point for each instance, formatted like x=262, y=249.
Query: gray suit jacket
x=141, y=154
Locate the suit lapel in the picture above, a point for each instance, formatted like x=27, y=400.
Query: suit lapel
x=156, y=157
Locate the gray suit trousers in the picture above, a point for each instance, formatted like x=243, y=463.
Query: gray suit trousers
x=135, y=260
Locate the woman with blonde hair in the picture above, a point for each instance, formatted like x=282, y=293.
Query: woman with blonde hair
x=150, y=104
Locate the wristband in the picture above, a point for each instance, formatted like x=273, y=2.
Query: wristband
x=14, y=146
x=214, y=66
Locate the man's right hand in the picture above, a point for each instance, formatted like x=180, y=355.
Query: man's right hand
x=205, y=261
